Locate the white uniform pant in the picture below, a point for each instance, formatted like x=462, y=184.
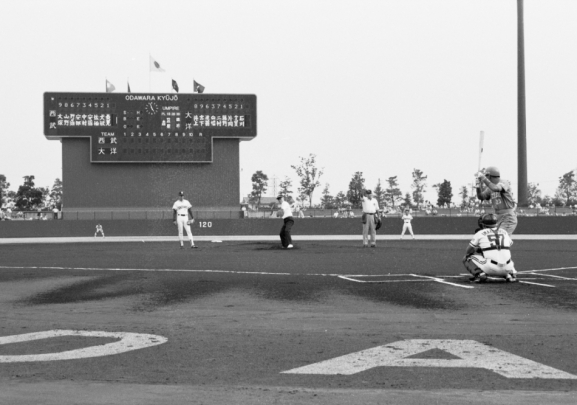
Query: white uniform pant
x=407, y=226
x=181, y=222
x=369, y=230
x=490, y=267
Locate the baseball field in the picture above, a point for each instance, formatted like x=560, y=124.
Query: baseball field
x=245, y=322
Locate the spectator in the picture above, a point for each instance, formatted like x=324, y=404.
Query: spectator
x=55, y=212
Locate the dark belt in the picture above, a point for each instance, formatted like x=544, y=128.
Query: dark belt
x=494, y=262
x=496, y=248
x=369, y=213
x=182, y=215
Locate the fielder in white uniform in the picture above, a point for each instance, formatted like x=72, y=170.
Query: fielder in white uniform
x=180, y=211
x=370, y=211
x=407, y=218
x=489, y=252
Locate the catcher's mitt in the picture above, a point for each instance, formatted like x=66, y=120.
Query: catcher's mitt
x=279, y=213
x=190, y=222
x=378, y=223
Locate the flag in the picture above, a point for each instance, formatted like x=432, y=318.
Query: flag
x=199, y=88
x=155, y=66
x=109, y=87
x=175, y=85
x=128, y=86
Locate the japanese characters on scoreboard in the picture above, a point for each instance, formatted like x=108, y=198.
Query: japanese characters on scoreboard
x=149, y=127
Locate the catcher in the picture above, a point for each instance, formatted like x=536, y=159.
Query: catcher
x=180, y=211
x=489, y=252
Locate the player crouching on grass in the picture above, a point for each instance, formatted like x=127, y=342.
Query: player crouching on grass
x=489, y=252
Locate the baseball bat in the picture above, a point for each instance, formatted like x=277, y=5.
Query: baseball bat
x=481, y=140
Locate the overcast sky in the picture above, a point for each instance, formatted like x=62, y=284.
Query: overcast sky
x=382, y=87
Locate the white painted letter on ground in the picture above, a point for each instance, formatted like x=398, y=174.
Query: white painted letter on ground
x=471, y=354
x=128, y=342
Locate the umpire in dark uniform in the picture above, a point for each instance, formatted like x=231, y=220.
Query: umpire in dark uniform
x=288, y=221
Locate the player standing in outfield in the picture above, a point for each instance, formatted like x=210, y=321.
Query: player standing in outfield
x=370, y=211
x=288, y=222
x=180, y=211
x=100, y=230
x=489, y=252
x=501, y=196
x=407, y=218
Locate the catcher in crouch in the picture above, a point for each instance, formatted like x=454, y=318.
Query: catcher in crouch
x=180, y=211
x=488, y=253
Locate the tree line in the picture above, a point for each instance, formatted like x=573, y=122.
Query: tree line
x=389, y=194
x=29, y=197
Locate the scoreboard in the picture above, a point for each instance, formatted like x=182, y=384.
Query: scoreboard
x=149, y=128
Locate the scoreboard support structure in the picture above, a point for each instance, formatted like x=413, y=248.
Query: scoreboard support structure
x=130, y=151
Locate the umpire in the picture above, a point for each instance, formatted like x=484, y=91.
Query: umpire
x=288, y=222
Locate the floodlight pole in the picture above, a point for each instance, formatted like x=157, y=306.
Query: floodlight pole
x=521, y=117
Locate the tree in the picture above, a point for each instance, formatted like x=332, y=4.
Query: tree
x=444, y=192
x=356, y=187
x=3, y=188
x=567, y=185
x=285, y=189
x=327, y=200
x=340, y=199
x=259, y=186
x=464, y=193
x=380, y=194
x=533, y=193
x=393, y=192
x=559, y=200
x=419, y=185
x=309, y=175
x=28, y=196
x=56, y=194
x=407, y=200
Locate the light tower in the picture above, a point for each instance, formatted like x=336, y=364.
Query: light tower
x=521, y=118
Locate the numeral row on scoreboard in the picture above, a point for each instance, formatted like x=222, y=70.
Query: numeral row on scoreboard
x=155, y=151
x=82, y=105
x=161, y=134
x=165, y=140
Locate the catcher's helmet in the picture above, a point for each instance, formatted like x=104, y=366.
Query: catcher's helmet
x=492, y=171
x=487, y=221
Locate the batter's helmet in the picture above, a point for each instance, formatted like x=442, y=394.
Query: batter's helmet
x=487, y=221
x=492, y=171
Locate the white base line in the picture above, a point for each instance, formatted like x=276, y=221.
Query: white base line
x=440, y=280
x=381, y=281
x=558, y=268
x=543, y=285
x=553, y=276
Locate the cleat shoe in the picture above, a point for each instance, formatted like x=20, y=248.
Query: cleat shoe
x=182, y=247
x=373, y=246
x=510, y=278
x=482, y=277
x=289, y=247
x=193, y=247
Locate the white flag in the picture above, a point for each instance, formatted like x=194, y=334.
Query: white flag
x=155, y=66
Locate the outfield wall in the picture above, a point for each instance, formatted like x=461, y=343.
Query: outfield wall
x=305, y=226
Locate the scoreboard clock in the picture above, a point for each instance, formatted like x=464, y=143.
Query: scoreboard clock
x=150, y=128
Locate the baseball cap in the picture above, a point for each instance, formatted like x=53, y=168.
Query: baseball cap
x=279, y=197
x=368, y=192
x=181, y=193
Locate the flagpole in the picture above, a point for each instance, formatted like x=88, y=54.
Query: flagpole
x=149, y=71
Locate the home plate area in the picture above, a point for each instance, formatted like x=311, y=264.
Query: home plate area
x=542, y=277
